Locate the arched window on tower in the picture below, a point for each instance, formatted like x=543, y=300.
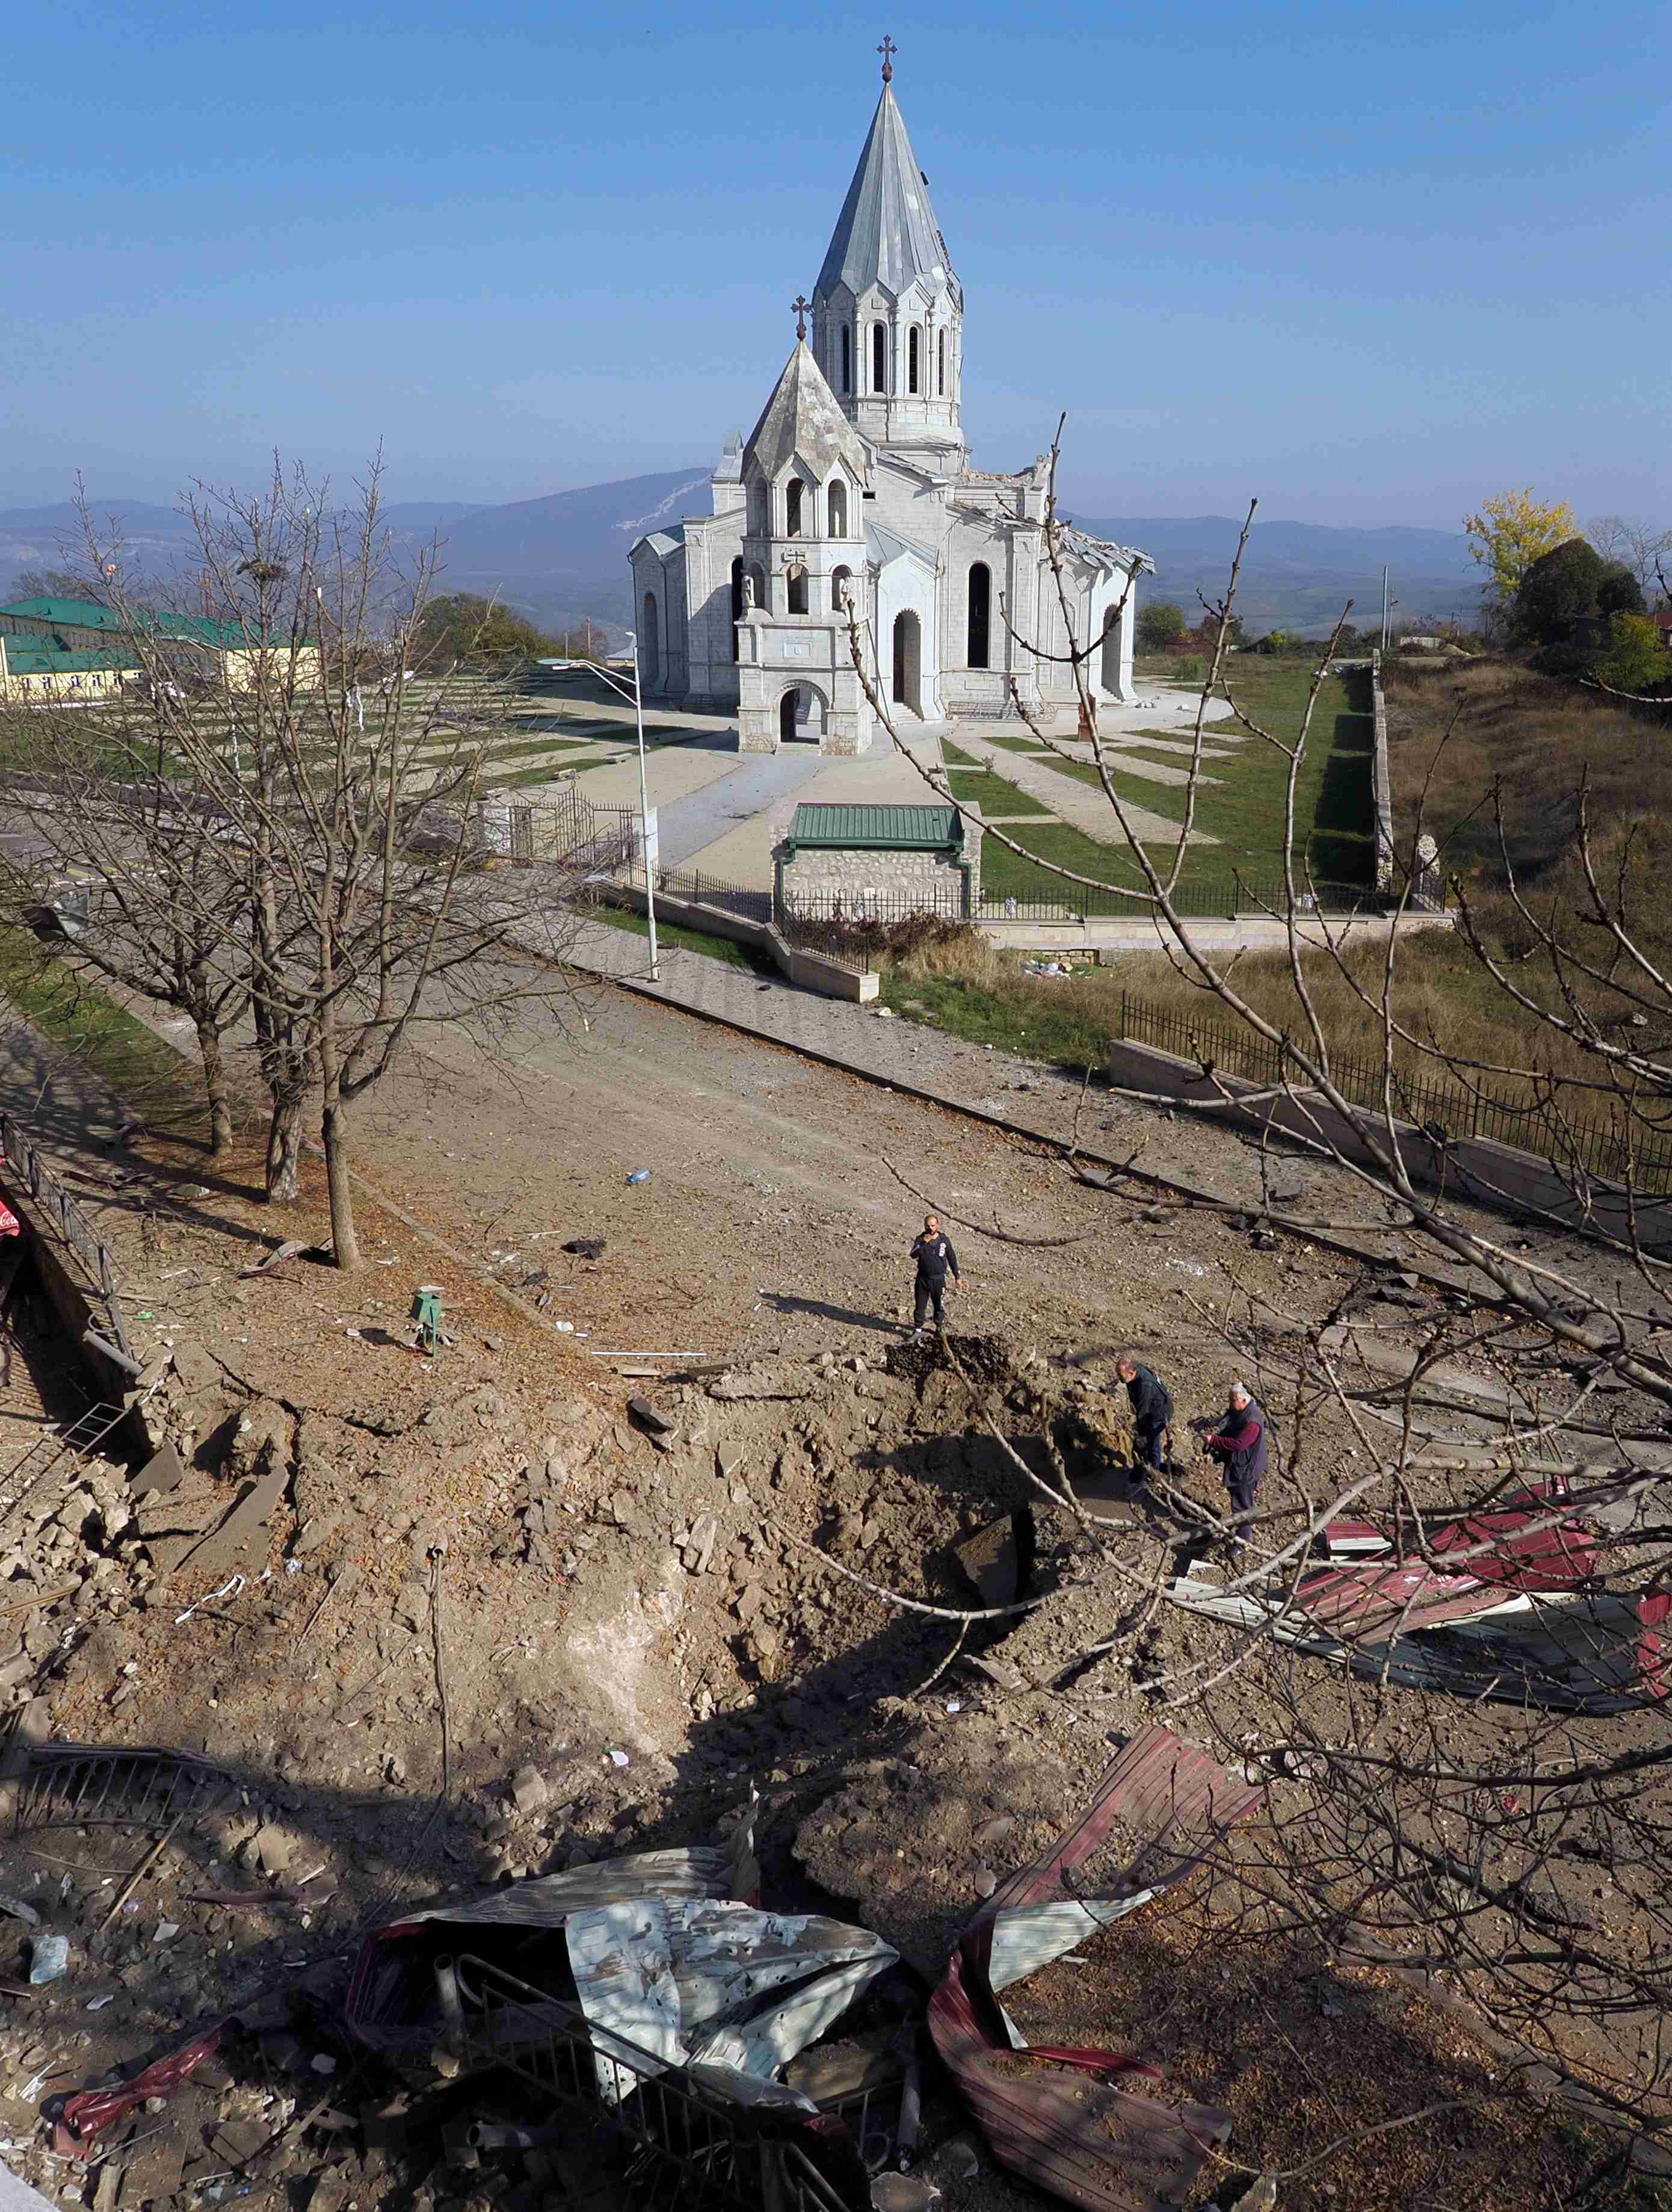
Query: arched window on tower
x=981, y=613
x=737, y=601
x=758, y=577
x=650, y=645
x=914, y=356
x=840, y=580
x=793, y=491
x=878, y=358
x=760, y=510
x=797, y=580
x=835, y=508
x=940, y=364
x=847, y=359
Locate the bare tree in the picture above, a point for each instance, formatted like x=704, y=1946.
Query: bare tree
x=306, y=841
x=117, y=865
x=1635, y=545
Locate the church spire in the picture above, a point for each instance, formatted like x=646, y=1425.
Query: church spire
x=887, y=233
x=888, y=310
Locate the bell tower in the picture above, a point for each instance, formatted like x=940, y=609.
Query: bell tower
x=887, y=310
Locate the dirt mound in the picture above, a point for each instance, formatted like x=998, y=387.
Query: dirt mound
x=986, y=1360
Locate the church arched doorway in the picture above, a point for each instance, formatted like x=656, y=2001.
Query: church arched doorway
x=908, y=686
x=1108, y=674
x=650, y=647
x=803, y=713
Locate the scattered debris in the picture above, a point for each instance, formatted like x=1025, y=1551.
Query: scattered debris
x=997, y=1559
x=49, y=1958
x=639, y=1175
x=289, y=1250
x=587, y=1247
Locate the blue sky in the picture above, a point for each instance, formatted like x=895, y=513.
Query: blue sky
x=1370, y=265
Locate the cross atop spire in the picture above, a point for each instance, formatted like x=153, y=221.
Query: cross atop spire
x=888, y=50
x=803, y=307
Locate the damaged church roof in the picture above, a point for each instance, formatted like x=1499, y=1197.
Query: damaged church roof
x=803, y=420
x=887, y=233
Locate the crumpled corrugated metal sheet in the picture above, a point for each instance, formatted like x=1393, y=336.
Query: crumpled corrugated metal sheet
x=1047, y=2114
x=543, y=1900
x=691, y=1979
x=391, y=2005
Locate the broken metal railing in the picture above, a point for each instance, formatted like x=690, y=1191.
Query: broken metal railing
x=21, y=1155
x=79, y=1441
x=681, y=2148
x=68, y=1786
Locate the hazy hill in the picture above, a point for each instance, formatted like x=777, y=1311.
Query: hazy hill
x=565, y=555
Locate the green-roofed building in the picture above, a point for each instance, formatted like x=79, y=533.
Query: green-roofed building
x=197, y=644
x=38, y=672
x=861, y=863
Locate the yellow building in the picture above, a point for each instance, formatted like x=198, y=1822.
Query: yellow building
x=80, y=639
x=34, y=674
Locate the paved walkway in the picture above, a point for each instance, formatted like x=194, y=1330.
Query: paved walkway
x=743, y=837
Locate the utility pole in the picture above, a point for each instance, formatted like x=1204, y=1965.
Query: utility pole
x=1384, y=607
x=644, y=814
x=618, y=686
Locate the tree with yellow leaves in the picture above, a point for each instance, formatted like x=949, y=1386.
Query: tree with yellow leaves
x=1510, y=532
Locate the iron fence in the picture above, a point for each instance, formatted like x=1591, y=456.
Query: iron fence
x=1326, y=899
x=678, y=2145
x=1446, y=1112
x=19, y=1152
x=748, y=904
x=568, y=828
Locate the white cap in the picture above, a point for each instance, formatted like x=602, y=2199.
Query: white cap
x=1241, y=1390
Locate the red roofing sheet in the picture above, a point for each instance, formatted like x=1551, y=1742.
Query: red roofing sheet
x=1045, y=2114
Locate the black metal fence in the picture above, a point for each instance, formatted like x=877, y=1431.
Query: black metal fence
x=1446, y=1112
x=1328, y=900
x=749, y=905
x=20, y=1157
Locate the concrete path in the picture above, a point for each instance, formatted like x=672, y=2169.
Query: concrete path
x=741, y=852
x=1082, y=805
x=757, y=790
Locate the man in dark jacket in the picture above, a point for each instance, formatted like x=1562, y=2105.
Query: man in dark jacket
x=936, y=1260
x=1151, y=1413
x=1242, y=1445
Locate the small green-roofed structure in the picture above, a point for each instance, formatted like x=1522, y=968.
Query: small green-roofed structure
x=880, y=864
x=875, y=830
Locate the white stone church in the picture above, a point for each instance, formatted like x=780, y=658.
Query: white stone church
x=856, y=480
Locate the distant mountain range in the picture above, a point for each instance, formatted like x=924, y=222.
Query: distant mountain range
x=565, y=555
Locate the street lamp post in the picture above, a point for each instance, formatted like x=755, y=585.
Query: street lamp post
x=637, y=694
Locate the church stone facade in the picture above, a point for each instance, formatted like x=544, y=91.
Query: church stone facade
x=855, y=484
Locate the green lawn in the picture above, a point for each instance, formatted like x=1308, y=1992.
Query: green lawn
x=1243, y=808
x=671, y=933
x=1006, y=875
x=1027, y=744
x=991, y=794
x=75, y=1014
